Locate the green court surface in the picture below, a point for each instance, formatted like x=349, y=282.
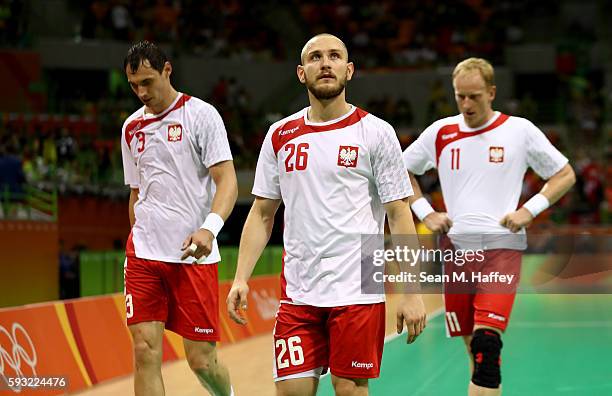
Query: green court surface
x=555, y=345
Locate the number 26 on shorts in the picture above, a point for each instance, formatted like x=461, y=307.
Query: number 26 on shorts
x=290, y=352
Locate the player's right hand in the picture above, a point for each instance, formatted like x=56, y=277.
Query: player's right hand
x=411, y=311
x=438, y=222
x=237, y=300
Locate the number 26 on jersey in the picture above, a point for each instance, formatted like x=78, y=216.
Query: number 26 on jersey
x=297, y=157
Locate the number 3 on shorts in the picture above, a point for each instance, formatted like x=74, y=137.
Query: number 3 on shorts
x=129, y=307
x=296, y=355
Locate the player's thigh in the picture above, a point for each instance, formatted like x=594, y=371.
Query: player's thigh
x=459, y=313
x=493, y=310
x=193, y=307
x=145, y=293
x=350, y=386
x=147, y=338
x=300, y=342
x=500, y=263
x=305, y=386
x=357, y=336
x=494, y=302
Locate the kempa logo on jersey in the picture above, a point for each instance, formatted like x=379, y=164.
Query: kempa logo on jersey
x=288, y=131
x=133, y=130
x=496, y=317
x=496, y=154
x=204, y=331
x=363, y=365
x=449, y=136
x=175, y=133
x=15, y=358
x=347, y=156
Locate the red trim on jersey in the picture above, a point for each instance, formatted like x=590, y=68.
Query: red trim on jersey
x=283, y=280
x=298, y=127
x=140, y=123
x=451, y=133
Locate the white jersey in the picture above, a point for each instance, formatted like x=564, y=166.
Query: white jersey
x=333, y=178
x=167, y=156
x=481, y=170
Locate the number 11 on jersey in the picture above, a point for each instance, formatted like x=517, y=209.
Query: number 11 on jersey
x=455, y=158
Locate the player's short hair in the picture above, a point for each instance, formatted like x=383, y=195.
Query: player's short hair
x=479, y=64
x=145, y=50
x=303, y=52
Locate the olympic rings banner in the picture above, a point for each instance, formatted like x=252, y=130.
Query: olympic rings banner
x=85, y=341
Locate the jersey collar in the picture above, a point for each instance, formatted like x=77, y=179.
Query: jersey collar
x=348, y=114
x=464, y=128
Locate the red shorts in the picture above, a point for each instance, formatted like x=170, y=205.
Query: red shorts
x=184, y=296
x=347, y=339
x=487, y=302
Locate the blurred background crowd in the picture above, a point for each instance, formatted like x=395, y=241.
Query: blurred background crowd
x=65, y=136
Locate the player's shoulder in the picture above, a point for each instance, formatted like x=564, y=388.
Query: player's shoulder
x=133, y=118
x=446, y=121
x=440, y=125
x=522, y=127
x=369, y=119
x=287, y=124
x=520, y=122
x=197, y=105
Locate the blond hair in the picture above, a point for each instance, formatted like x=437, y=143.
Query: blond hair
x=479, y=64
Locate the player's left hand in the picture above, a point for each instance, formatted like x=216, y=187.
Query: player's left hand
x=202, y=239
x=517, y=220
x=412, y=311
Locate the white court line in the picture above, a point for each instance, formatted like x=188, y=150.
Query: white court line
x=393, y=336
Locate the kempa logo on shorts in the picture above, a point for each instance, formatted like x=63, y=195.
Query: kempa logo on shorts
x=497, y=317
x=449, y=136
x=363, y=365
x=288, y=131
x=205, y=331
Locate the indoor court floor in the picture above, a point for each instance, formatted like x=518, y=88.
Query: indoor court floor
x=555, y=345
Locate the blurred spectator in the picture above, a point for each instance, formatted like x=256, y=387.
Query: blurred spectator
x=121, y=20
x=12, y=179
x=96, y=22
x=69, y=272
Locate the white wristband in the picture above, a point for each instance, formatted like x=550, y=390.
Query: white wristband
x=421, y=208
x=537, y=204
x=213, y=223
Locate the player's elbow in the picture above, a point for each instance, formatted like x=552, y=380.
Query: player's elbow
x=572, y=176
x=568, y=175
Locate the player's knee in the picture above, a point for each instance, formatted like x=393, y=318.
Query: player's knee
x=203, y=364
x=146, y=354
x=349, y=387
x=486, y=348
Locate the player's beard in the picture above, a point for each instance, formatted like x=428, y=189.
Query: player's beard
x=326, y=92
